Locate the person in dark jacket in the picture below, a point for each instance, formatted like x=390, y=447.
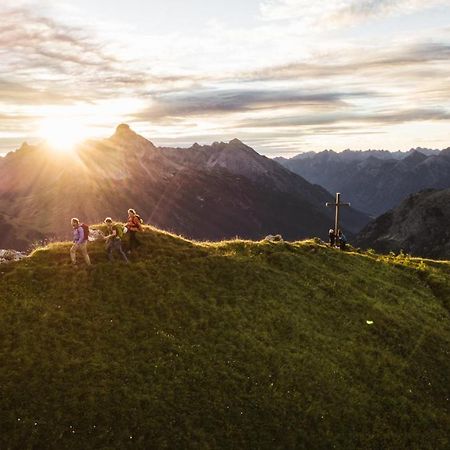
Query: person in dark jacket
x=114, y=239
x=342, y=240
x=331, y=237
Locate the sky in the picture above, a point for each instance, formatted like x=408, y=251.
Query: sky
x=284, y=76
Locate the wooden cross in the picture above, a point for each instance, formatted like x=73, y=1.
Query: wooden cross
x=337, y=205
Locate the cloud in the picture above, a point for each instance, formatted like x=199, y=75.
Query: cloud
x=207, y=101
x=339, y=12
x=65, y=61
x=379, y=118
x=357, y=61
x=20, y=94
x=373, y=87
x=34, y=40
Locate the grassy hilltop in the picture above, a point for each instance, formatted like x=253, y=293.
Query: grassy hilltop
x=244, y=345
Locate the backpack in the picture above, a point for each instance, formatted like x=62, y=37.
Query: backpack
x=85, y=231
x=120, y=230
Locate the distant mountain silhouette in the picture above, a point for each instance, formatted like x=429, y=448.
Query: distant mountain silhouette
x=208, y=192
x=374, y=181
x=419, y=225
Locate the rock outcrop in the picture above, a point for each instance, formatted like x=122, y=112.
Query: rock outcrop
x=11, y=255
x=419, y=226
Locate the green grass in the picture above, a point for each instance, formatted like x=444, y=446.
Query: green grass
x=231, y=345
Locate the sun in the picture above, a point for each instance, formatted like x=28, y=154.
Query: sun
x=63, y=134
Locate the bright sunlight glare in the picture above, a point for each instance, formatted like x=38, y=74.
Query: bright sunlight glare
x=63, y=134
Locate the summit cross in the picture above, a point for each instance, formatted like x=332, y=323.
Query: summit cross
x=337, y=205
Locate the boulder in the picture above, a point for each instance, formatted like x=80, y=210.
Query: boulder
x=11, y=255
x=272, y=238
x=95, y=235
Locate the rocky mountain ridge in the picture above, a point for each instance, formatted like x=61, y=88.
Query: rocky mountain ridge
x=375, y=181
x=418, y=226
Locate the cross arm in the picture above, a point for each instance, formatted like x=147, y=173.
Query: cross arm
x=337, y=204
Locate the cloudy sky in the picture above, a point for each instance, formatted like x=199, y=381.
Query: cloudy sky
x=285, y=76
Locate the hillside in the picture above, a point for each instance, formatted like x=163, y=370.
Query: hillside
x=419, y=226
x=204, y=192
x=17, y=235
x=374, y=181
x=234, y=344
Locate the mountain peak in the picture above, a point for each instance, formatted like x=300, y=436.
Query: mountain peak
x=123, y=130
x=124, y=135
x=414, y=158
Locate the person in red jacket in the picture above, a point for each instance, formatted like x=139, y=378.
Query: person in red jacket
x=134, y=226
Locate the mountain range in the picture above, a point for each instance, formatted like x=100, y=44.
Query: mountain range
x=374, y=181
x=206, y=192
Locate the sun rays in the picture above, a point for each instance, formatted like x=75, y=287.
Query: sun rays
x=63, y=134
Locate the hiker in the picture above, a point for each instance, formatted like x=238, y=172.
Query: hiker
x=80, y=240
x=114, y=239
x=331, y=237
x=342, y=240
x=134, y=226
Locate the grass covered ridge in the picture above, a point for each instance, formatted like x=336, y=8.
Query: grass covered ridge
x=224, y=345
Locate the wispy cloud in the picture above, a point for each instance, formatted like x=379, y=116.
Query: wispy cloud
x=207, y=101
x=30, y=40
x=381, y=118
x=339, y=12
x=52, y=59
x=364, y=59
